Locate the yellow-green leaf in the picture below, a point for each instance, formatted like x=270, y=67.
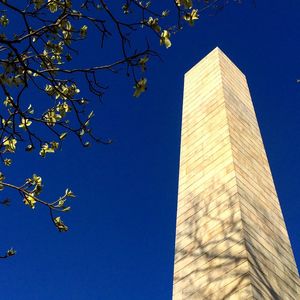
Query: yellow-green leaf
x=60, y=224
x=165, y=39
x=63, y=135
x=29, y=200
x=140, y=87
x=191, y=17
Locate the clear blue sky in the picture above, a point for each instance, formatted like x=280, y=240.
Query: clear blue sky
x=122, y=225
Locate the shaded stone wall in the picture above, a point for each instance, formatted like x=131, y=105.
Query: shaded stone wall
x=231, y=240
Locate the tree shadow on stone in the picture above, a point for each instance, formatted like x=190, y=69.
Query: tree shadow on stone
x=212, y=256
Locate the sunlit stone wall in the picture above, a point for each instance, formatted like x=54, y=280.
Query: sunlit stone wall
x=231, y=239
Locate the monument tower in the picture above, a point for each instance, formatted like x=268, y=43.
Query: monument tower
x=231, y=239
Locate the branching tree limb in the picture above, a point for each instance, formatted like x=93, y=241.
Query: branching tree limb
x=38, y=54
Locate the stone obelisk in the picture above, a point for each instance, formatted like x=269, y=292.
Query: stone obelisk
x=231, y=239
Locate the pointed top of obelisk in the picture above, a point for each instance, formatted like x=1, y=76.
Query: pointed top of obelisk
x=213, y=59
